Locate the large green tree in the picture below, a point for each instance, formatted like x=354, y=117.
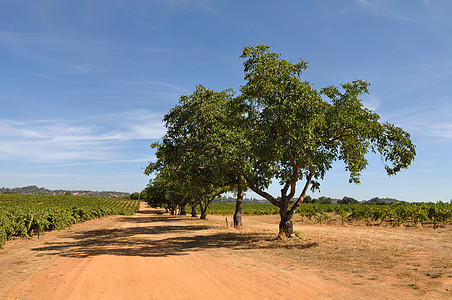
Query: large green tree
x=192, y=148
x=296, y=133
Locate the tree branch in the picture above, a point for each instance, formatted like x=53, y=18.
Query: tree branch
x=341, y=135
x=261, y=193
x=292, y=183
x=301, y=198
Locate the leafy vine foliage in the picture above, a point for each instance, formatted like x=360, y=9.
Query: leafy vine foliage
x=26, y=215
x=279, y=127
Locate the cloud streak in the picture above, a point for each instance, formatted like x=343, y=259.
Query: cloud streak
x=146, y=84
x=385, y=9
x=443, y=130
x=429, y=121
x=60, y=141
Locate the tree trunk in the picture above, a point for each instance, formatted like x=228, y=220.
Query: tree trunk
x=193, y=210
x=182, y=211
x=286, y=225
x=238, y=208
x=285, y=228
x=203, y=211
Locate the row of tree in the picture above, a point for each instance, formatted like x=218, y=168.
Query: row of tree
x=349, y=200
x=277, y=128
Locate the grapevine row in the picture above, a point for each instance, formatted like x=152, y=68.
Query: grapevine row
x=396, y=214
x=26, y=215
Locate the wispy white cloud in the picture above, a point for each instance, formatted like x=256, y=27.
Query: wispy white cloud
x=62, y=141
x=55, y=51
x=431, y=120
x=372, y=102
x=388, y=9
x=86, y=68
x=431, y=16
x=165, y=84
x=443, y=130
x=43, y=75
x=149, y=84
x=203, y=5
x=118, y=161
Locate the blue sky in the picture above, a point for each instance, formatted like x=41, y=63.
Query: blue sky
x=84, y=84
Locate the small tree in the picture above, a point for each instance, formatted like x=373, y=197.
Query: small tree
x=156, y=194
x=348, y=200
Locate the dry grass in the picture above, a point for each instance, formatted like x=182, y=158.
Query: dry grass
x=414, y=257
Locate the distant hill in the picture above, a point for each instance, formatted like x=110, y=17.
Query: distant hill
x=34, y=190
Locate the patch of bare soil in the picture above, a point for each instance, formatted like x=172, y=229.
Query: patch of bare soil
x=152, y=256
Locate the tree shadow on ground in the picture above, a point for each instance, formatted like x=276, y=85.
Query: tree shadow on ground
x=150, y=219
x=147, y=241
x=147, y=216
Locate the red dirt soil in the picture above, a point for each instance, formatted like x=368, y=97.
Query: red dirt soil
x=152, y=256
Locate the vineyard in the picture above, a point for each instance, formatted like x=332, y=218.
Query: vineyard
x=26, y=215
x=397, y=214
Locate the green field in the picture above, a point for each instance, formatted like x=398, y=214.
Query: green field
x=26, y=215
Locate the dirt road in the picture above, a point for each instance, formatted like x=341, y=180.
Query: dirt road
x=151, y=256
